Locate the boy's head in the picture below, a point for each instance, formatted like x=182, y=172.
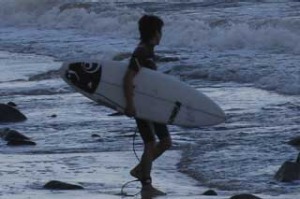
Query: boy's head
x=150, y=28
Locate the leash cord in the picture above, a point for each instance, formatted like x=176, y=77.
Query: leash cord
x=129, y=182
x=133, y=144
x=123, y=193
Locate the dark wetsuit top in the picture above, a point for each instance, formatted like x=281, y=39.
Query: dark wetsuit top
x=143, y=56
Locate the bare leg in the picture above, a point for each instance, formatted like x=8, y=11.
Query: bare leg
x=153, y=152
x=144, y=173
x=146, y=160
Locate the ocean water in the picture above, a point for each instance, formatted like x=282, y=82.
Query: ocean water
x=244, y=54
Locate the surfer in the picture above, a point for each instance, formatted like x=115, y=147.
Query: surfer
x=150, y=28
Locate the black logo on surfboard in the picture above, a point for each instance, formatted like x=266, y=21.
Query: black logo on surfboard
x=85, y=76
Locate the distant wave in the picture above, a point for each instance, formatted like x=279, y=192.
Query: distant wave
x=186, y=30
x=282, y=34
x=279, y=35
x=88, y=17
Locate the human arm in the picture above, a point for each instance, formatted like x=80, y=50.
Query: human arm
x=128, y=92
x=139, y=58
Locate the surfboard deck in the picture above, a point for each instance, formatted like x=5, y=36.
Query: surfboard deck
x=158, y=97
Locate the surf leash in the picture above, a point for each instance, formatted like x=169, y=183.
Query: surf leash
x=133, y=144
x=123, y=193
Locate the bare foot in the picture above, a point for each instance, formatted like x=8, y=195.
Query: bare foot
x=149, y=191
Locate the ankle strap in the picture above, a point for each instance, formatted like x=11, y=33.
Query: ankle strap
x=146, y=181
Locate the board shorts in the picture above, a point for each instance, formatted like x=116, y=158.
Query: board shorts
x=148, y=130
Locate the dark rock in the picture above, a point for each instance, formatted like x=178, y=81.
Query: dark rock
x=10, y=114
x=244, y=196
x=12, y=104
x=295, y=141
x=20, y=143
x=58, y=185
x=95, y=136
x=210, y=193
x=14, y=138
x=10, y=135
x=288, y=172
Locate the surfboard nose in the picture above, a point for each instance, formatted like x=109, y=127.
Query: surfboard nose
x=82, y=75
x=69, y=72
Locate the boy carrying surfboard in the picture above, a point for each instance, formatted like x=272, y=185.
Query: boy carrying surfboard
x=150, y=28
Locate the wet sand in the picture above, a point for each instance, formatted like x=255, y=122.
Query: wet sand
x=101, y=174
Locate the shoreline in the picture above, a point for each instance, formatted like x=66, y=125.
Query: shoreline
x=101, y=174
x=67, y=167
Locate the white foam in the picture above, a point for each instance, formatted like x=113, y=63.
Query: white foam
x=57, y=14
x=199, y=34
x=275, y=72
x=190, y=31
x=20, y=66
x=65, y=30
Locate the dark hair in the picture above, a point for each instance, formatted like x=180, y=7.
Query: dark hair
x=148, y=26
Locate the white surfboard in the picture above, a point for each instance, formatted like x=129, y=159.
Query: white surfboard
x=157, y=97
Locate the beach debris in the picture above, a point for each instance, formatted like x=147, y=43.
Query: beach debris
x=58, y=185
x=14, y=138
x=210, y=193
x=288, y=172
x=9, y=113
x=245, y=196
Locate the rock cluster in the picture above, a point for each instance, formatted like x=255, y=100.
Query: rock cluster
x=14, y=138
x=9, y=113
